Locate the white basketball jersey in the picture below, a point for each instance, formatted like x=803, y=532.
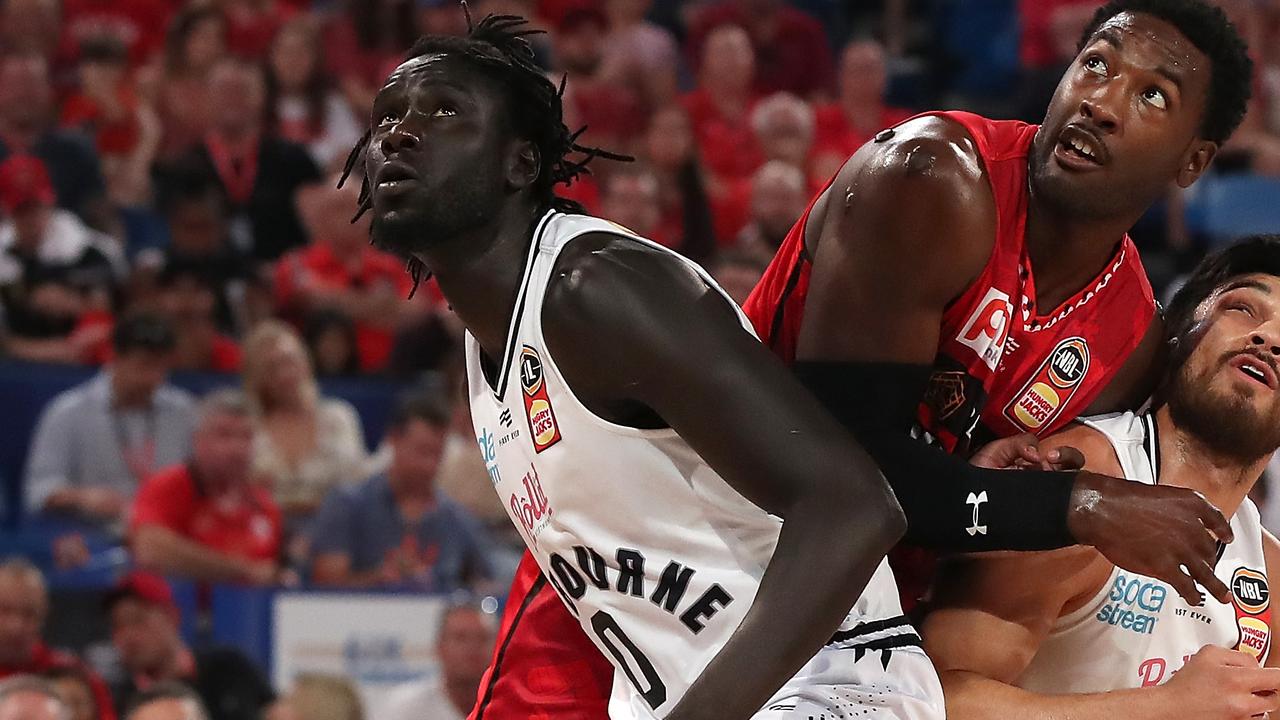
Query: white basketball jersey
x=657, y=557
x=1137, y=631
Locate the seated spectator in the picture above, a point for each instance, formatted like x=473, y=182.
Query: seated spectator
x=783, y=126
x=302, y=104
x=205, y=520
x=720, y=107
x=673, y=157
x=258, y=172
x=188, y=299
x=196, y=39
x=75, y=687
x=126, y=132
x=144, y=629
x=639, y=55
x=57, y=275
x=340, y=270
x=612, y=113
x=631, y=199
x=463, y=642
x=364, y=40
x=34, y=27
x=138, y=25
x=27, y=697
x=253, y=24
x=97, y=442
x=303, y=444
x=396, y=530
x=319, y=697
x=24, y=604
x=168, y=701
x=738, y=270
x=792, y=48
x=779, y=195
x=331, y=343
x=859, y=111
x=27, y=118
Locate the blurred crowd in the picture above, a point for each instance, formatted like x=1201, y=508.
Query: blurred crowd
x=169, y=202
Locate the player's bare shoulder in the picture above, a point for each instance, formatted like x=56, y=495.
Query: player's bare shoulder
x=1099, y=455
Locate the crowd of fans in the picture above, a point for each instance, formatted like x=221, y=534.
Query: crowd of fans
x=168, y=201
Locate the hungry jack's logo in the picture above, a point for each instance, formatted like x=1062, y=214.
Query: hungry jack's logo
x=543, y=429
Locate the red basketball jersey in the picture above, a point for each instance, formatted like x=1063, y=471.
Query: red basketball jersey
x=1004, y=365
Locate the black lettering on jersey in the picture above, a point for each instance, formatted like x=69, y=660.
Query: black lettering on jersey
x=671, y=586
x=564, y=596
x=592, y=566
x=630, y=572
x=569, y=578
x=705, y=607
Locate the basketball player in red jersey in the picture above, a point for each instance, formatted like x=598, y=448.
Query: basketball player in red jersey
x=890, y=263
x=963, y=279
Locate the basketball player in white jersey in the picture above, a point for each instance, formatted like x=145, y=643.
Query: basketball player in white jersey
x=1066, y=634
x=646, y=445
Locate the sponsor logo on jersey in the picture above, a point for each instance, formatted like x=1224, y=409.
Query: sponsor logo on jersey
x=489, y=452
x=531, y=507
x=1134, y=604
x=988, y=327
x=543, y=429
x=1251, y=598
x=1051, y=387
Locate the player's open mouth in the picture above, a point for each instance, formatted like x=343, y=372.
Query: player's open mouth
x=1078, y=148
x=395, y=176
x=1255, y=369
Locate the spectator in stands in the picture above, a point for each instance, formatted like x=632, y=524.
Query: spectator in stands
x=791, y=47
x=363, y=42
x=859, y=111
x=779, y=195
x=737, y=270
x=168, y=701
x=145, y=624
x=138, y=25
x=95, y=443
x=783, y=125
x=331, y=343
x=721, y=105
x=639, y=55
x=57, y=275
x=205, y=519
x=631, y=199
x=340, y=270
x=319, y=697
x=304, y=444
x=302, y=104
x=258, y=171
x=27, y=697
x=686, y=210
x=126, y=132
x=396, y=530
x=75, y=687
x=33, y=27
x=188, y=298
x=27, y=118
x=197, y=37
x=24, y=604
x=464, y=641
x=252, y=25
x=611, y=112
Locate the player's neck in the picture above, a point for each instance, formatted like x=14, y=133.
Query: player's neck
x=1185, y=461
x=1065, y=252
x=479, y=272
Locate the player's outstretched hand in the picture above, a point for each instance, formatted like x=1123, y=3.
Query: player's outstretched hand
x=1165, y=532
x=1023, y=452
x=1221, y=684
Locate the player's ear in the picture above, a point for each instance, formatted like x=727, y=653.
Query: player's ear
x=1196, y=161
x=523, y=164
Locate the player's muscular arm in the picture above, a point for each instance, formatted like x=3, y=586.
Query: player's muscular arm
x=638, y=333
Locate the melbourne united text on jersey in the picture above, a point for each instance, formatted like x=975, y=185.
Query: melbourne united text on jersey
x=589, y=569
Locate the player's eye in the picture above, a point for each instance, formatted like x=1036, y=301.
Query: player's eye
x=387, y=118
x=444, y=111
x=1241, y=307
x=1155, y=97
x=1095, y=65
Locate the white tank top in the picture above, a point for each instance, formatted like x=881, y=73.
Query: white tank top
x=1137, y=631
x=653, y=552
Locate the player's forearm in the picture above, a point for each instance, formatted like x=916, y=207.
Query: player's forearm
x=824, y=558
x=164, y=551
x=971, y=696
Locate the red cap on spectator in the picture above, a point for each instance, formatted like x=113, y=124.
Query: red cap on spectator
x=24, y=180
x=150, y=589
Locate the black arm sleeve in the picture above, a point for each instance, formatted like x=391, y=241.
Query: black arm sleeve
x=877, y=402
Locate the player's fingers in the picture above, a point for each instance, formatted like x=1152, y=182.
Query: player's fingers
x=1214, y=522
x=1184, y=584
x=1064, y=458
x=1260, y=679
x=1203, y=574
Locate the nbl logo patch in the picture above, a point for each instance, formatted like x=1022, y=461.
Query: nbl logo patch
x=1052, y=386
x=1251, y=599
x=537, y=405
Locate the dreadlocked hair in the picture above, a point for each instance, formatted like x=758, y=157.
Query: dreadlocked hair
x=498, y=45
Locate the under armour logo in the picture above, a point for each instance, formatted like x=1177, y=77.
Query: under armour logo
x=505, y=418
x=976, y=501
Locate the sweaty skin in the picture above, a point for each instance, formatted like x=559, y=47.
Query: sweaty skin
x=918, y=206
x=635, y=333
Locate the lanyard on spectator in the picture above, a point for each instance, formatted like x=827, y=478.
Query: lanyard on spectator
x=237, y=181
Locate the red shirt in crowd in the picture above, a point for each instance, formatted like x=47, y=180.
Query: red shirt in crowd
x=173, y=498
x=727, y=145
x=1036, y=17
x=43, y=660
x=112, y=136
x=139, y=24
x=317, y=266
x=795, y=57
x=833, y=133
x=249, y=34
